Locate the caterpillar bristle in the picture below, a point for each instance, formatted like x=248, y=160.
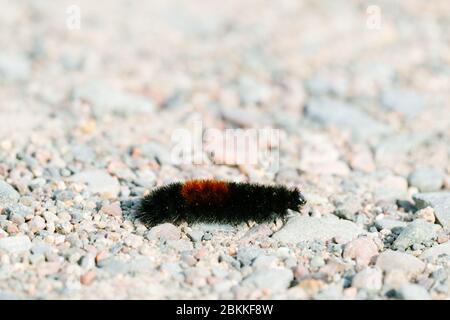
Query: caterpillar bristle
x=217, y=201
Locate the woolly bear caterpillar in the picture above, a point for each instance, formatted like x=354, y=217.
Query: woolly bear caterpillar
x=218, y=201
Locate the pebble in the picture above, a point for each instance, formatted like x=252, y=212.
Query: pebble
x=389, y=224
x=246, y=255
x=404, y=101
x=436, y=251
x=317, y=262
x=390, y=188
x=15, y=244
x=413, y=291
x=370, y=279
x=14, y=67
x=416, y=232
x=274, y=279
x=105, y=98
x=439, y=201
x=195, y=235
x=165, y=231
x=392, y=260
x=426, y=214
x=334, y=112
x=363, y=250
x=300, y=229
x=427, y=179
x=36, y=224
x=98, y=181
x=87, y=278
x=8, y=195
x=113, y=210
x=348, y=207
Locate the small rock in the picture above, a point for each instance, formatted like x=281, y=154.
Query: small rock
x=395, y=278
x=426, y=214
x=389, y=224
x=393, y=260
x=99, y=181
x=15, y=244
x=8, y=195
x=133, y=240
x=363, y=250
x=301, y=228
x=14, y=67
x=436, y=251
x=427, y=179
x=439, y=201
x=246, y=255
x=312, y=286
x=442, y=238
x=264, y=262
x=87, y=278
x=87, y=262
x=274, y=279
x=402, y=100
x=256, y=232
x=113, y=209
x=317, y=262
x=412, y=291
x=418, y=231
x=195, y=235
x=347, y=207
x=166, y=231
x=213, y=227
x=104, y=98
x=391, y=188
x=328, y=112
x=370, y=279
x=36, y=224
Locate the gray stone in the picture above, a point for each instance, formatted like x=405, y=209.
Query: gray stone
x=328, y=112
x=347, y=207
x=370, y=279
x=256, y=232
x=14, y=67
x=390, y=188
x=165, y=231
x=413, y=291
x=317, y=262
x=301, y=228
x=15, y=244
x=274, y=279
x=18, y=209
x=427, y=179
x=107, y=99
x=246, y=255
x=264, y=261
x=436, y=251
x=416, y=232
x=195, y=235
x=388, y=223
x=213, y=227
x=393, y=260
x=439, y=201
x=171, y=268
x=8, y=195
x=41, y=248
x=116, y=266
x=401, y=100
x=154, y=150
x=98, y=181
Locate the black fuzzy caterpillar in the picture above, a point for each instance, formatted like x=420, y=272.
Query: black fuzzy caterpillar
x=217, y=201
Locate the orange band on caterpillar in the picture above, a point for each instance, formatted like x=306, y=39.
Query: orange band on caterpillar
x=218, y=201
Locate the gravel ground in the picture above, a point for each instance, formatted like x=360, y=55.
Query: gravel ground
x=86, y=118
